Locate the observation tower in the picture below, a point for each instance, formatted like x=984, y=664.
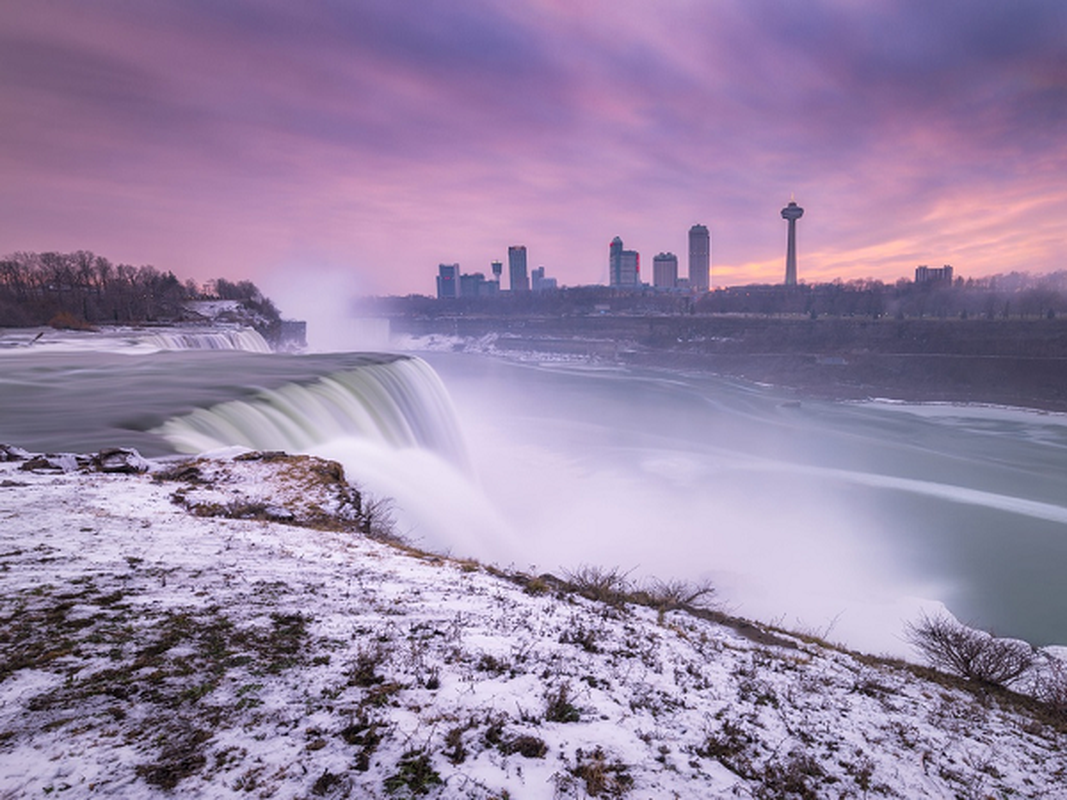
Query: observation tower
x=791, y=212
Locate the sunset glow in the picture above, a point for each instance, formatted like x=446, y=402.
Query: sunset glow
x=374, y=140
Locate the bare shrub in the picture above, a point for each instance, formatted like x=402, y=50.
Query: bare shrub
x=677, y=594
x=603, y=584
x=1050, y=683
x=364, y=672
x=798, y=775
x=578, y=634
x=973, y=654
x=596, y=774
x=526, y=746
x=558, y=705
x=379, y=519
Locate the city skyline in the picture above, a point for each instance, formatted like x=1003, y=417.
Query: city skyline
x=276, y=142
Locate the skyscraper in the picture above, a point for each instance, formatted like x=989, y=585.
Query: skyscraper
x=624, y=266
x=614, y=261
x=519, y=280
x=925, y=274
x=447, y=280
x=665, y=271
x=699, y=258
x=630, y=270
x=791, y=212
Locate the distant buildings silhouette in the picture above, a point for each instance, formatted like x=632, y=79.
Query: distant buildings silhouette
x=624, y=269
x=451, y=284
x=539, y=283
x=924, y=274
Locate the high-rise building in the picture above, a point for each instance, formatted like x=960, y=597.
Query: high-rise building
x=630, y=274
x=699, y=258
x=624, y=266
x=614, y=261
x=665, y=271
x=475, y=285
x=924, y=274
x=447, y=280
x=519, y=280
x=498, y=270
x=539, y=283
x=791, y=212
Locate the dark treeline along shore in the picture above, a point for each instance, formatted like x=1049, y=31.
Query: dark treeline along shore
x=997, y=340
x=82, y=290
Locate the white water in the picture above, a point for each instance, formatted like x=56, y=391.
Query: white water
x=244, y=339
x=394, y=429
x=130, y=341
x=397, y=405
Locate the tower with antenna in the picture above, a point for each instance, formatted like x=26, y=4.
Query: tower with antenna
x=791, y=212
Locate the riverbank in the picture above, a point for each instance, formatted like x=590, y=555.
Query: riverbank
x=231, y=642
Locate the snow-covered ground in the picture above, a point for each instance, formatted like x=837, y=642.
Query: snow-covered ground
x=222, y=629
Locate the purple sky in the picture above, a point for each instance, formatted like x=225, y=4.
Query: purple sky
x=373, y=139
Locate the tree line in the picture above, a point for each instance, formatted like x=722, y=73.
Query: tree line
x=82, y=289
x=1015, y=295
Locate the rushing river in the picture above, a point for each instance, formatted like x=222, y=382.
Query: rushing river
x=839, y=518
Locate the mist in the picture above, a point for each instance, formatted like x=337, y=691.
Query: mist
x=648, y=476
x=323, y=296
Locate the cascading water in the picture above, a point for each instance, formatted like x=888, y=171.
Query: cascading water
x=399, y=404
x=237, y=339
x=132, y=341
x=392, y=426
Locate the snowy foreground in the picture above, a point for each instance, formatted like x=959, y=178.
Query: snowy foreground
x=151, y=645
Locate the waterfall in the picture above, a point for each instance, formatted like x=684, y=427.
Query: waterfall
x=397, y=404
x=393, y=427
x=182, y=339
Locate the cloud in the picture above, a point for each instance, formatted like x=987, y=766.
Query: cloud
x=385, y=133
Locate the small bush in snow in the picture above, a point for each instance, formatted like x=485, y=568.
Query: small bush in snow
x=596, y=774
x=976, y=655
x=558, y=705
x=603, y=584
x=1050, y=684
x=675, y=594
x=414, y=774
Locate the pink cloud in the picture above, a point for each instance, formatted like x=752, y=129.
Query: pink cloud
x=242, y=139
